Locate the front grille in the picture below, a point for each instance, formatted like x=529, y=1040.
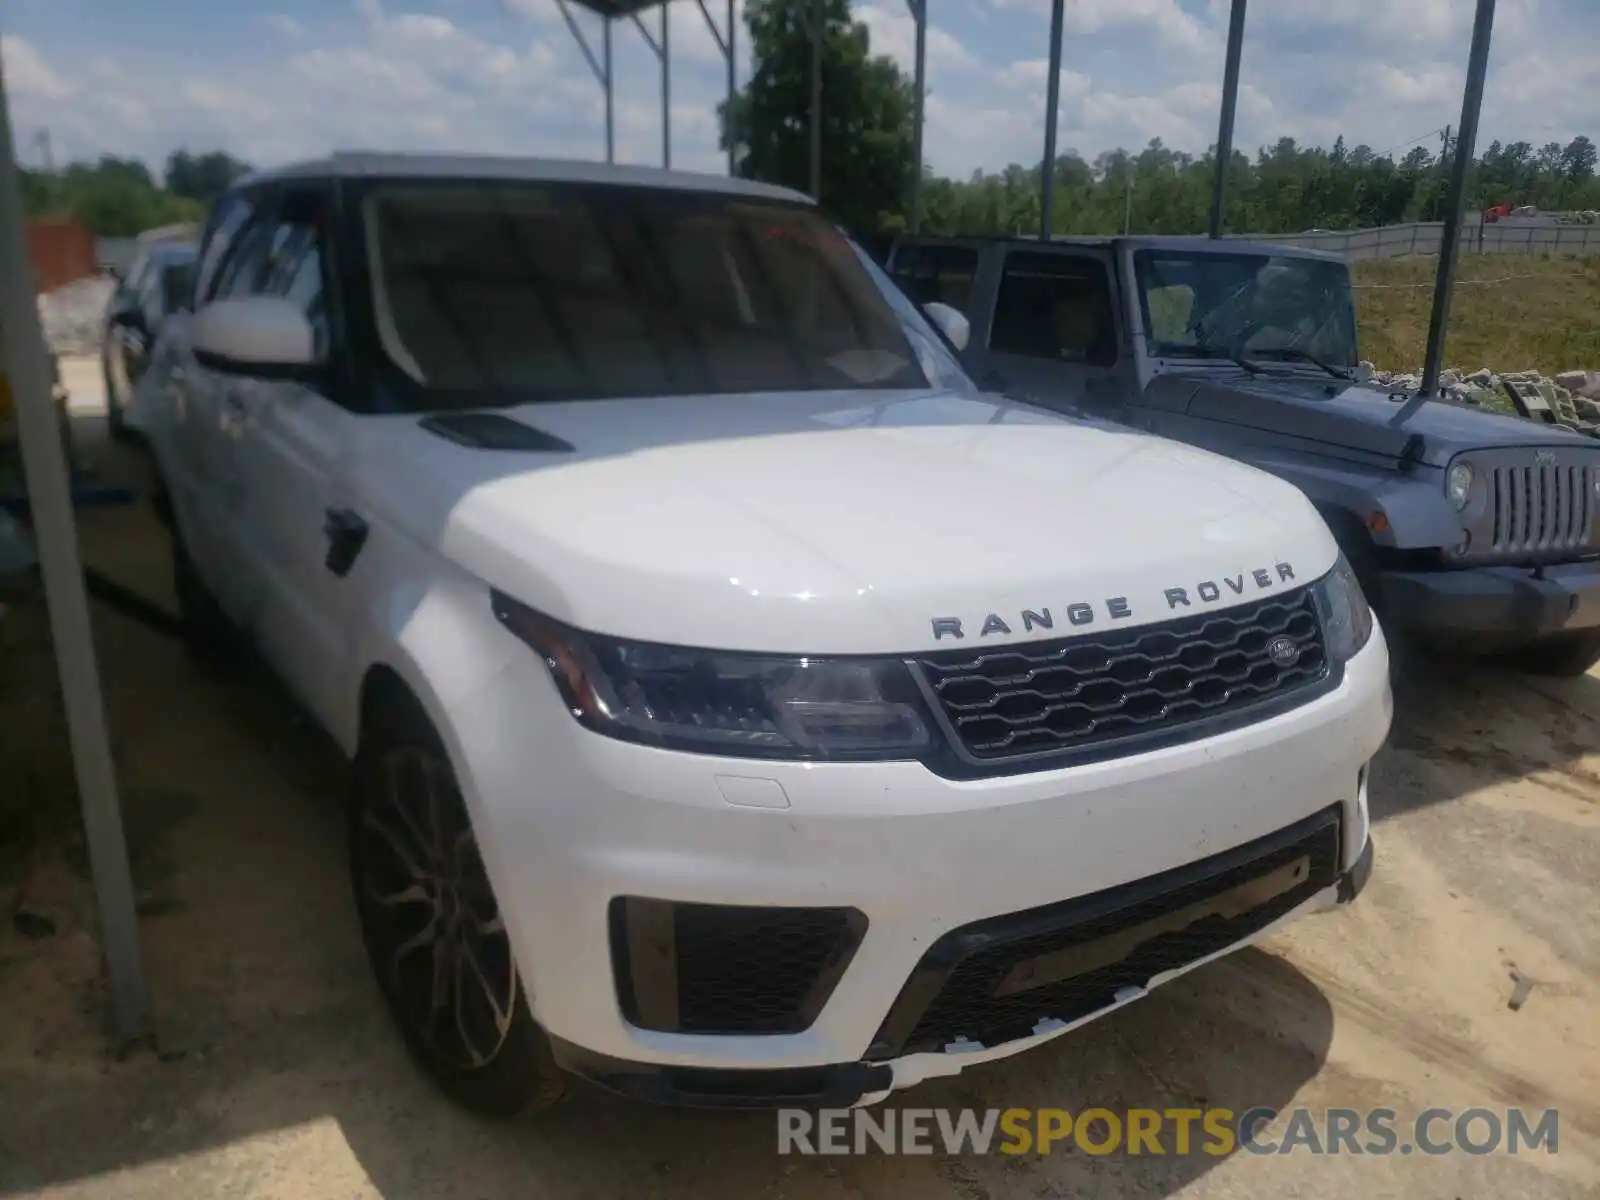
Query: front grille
x=1543, y=508
x=1096, y=689
x=713, y=968
x=994, y=981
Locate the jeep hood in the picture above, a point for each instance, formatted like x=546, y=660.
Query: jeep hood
x=1348, y=416
x=819, y=522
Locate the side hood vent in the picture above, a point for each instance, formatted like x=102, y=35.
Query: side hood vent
x=493, y=431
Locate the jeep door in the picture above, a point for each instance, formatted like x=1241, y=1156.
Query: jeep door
x=1054, y=333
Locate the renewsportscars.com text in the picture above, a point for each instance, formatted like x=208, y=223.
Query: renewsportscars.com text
x=1178, y=1131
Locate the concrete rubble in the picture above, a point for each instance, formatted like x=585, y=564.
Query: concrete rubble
x=1574, y=395
x=72, y=315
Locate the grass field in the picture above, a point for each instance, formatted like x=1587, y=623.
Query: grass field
x=1508, y=313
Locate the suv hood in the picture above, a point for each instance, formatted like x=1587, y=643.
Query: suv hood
x=845, y=522
x=1299, y=404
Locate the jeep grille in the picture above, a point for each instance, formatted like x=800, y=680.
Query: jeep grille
x=1543, y=508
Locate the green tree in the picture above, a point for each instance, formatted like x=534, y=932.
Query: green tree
x=202, y=177
x=867, y=156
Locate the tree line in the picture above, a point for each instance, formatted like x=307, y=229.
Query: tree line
x=119, y=197
x=868, y=163
x=868, y=159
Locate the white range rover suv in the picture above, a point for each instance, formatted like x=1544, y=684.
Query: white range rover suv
x=744, y=709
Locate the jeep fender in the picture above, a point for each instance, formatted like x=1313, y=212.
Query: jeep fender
x=1416, y=513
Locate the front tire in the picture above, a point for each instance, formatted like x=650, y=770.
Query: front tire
x=432, y=928
x=207, y=633
x=1569, y=655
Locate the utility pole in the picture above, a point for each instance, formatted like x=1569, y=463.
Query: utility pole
x=919, y=12
x=1455, y=213
x=1230, y=103
x=1127, y=208
x=816, y=100
x=1052, y=103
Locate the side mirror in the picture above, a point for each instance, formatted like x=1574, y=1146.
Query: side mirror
x=949, y=322
x=265, y=336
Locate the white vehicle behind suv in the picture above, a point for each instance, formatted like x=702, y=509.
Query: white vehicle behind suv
x=743, y=708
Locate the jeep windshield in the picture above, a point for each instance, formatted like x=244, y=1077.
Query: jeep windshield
x=509, y=292
x=1250, y=307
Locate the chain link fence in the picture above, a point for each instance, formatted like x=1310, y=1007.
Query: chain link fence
x=1425, y=237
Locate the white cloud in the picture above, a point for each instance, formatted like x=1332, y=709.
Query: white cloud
x=284, y=24
x=27, y=73
x=893, y=32
x=1166, y=18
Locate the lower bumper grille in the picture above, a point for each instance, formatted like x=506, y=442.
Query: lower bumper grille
x=994, y=981
x=721, y=969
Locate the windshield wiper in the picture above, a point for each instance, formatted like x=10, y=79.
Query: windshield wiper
x=1303, y=356
x=1203, y=347
x=1206, y=350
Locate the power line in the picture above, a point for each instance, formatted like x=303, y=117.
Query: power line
x=1421, y=137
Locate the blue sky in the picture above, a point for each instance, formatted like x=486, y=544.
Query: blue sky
x=280, y=79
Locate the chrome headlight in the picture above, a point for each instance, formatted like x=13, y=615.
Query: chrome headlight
x=1346, y=616
x=718, y=702
x=1458, y=484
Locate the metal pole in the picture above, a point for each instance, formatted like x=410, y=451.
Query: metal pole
x=1471, y=103
x=919, y=13
x=611, y=121
x=1230, y=101
x=1052, y=102
x=666, y=93
x=816, y=100
x=733, y=30
x=50, y=493
x=1127, y=209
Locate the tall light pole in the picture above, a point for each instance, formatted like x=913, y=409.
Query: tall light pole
x=1455, y=214
x=1230, y=103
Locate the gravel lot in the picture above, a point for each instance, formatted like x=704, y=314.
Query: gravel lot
x=280, y=1077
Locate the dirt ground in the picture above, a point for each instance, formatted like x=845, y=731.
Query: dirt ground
x=278, y=1075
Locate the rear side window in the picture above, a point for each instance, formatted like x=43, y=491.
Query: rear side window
x=936, y=273
x=227, y=219
x=1055, y=306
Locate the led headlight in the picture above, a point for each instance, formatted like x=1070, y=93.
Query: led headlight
x=1458, y=484
x=717, y=702
x=1346, y=617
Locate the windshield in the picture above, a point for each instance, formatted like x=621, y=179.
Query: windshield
x=1206, y=305
x=515, y=292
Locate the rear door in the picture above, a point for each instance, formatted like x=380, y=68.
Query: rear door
x=1054, y=334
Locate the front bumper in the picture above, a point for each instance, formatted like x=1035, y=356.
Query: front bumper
x=569, y=821
x=1519, y=601
x=836, y=1085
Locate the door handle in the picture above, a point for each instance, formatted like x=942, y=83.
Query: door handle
x=346, y=531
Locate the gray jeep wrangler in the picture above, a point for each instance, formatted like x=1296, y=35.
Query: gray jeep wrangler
x=1470, y=530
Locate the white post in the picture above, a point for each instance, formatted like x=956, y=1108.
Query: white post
x=50, y=496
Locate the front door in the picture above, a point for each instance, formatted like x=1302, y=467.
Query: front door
x=292, y=458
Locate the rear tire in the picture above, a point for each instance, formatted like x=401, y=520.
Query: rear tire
x=1569, y=655
x=432, y=927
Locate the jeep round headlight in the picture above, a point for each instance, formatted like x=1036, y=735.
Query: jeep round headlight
x=718, y=702
x=1459, y=484
x=1346, y=617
